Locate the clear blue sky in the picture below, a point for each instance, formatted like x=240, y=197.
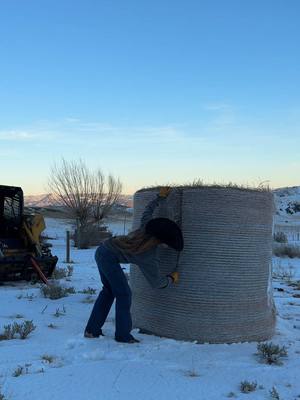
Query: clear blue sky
x=151, y=91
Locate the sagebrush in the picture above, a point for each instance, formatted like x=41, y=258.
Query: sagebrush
x=89, y=290
x=48, y=358
x=280, y=237
x=247, y=387
x=271, y=353
x=23, y=330
x=274, y=394
x=21, y=370
x=55, y=291
x=60, y=273
x=59, y=312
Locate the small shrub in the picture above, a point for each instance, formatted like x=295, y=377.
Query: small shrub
x=52, y=326
x=274, y=394
x=231, y=395
x=192, y=373
x=280, y=272
x=271, y=353
x=59, y=313
x=9, y=332
x=70, y=290
x=59, y=273
x=280, y=237
x=29, y=297
x=55, y=291
x=88, y=300
x=48, y=359
x=20, y=370
x=70, y=271
x=25, y=329
x=89, y=290
x=286, y=250
x=247, y=387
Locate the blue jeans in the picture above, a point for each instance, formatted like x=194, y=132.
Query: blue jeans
x=115, y=286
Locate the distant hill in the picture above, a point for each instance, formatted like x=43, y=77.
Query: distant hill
x=40, y=200
x=46, y=200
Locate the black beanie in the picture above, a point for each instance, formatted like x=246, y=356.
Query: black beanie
x=167, y=231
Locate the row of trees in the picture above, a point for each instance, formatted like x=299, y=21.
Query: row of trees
x=87, y=195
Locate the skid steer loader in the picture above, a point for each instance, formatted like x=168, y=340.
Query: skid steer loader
x=22, y=253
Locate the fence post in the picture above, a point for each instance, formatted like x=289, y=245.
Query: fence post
x=78, y=234
x=68, y=247
x=124, y=224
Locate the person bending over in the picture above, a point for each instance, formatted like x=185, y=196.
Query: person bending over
x=140, y=248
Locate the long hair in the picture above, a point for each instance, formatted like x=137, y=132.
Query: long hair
x=136, y=242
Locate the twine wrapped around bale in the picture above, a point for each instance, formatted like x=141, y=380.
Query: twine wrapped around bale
x=224, y=294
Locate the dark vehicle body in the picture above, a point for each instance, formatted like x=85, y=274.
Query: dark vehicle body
x=22, y=251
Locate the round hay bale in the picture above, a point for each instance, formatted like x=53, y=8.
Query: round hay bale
x=224, y=294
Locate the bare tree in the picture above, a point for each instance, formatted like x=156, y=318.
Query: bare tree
x=106, y=195
x=87, y=195
x=70, y=184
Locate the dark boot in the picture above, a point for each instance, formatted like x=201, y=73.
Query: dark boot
x=89, y=335
x=130, y=340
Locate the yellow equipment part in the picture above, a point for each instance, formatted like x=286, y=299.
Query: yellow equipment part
x=34, y=227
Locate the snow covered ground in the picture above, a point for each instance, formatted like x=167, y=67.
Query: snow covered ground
x=58, y=363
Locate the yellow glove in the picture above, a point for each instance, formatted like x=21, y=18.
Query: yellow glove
x=175, y=277
x=164, y=191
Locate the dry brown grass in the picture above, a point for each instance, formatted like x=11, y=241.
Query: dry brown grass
x=199, y=184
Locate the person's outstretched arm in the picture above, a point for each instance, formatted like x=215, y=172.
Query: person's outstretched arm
x=151, y=206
